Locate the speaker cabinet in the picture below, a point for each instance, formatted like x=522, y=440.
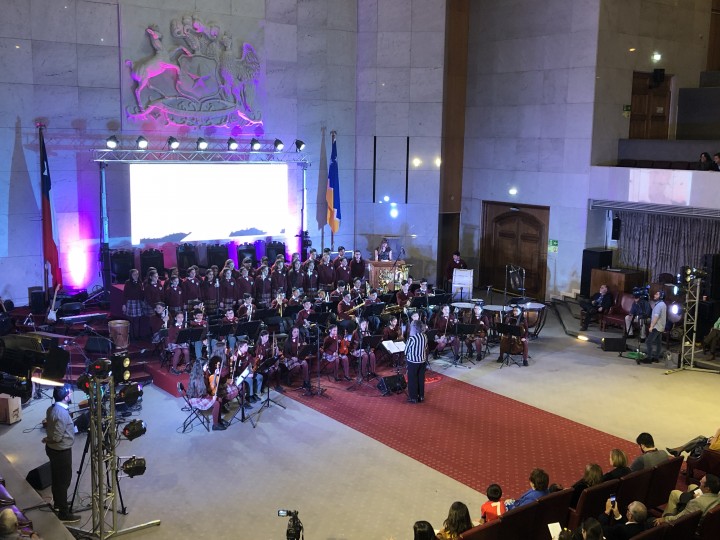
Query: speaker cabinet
x=39, y=478
x=37, y=300
x=711, y=284
x=392, y=384
x=613, y=344
x=708, y=313
x=593, y=258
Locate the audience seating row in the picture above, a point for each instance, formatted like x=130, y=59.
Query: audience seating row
x=659, y=164
x=708, y=462
x=651, y=486
x=8, y=501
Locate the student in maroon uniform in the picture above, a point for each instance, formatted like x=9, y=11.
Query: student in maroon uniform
x=191, y=287
x=278, y=278
x=152, y=292
x=346, y=321
x=310, y=279
x=246, y=311
x=174, y=297
x=133, y=297
x=333, y=352
x=228, y=292
x=295, y=298
x=337, y=294
x=302, y=321
x=342, y=271
x=340, y=257
x=244, y=284
x=445, y=326
x=292, y=359
x=366, y=356
x=263, y=288
x=357, y=293
x=209, y=292
x=357, y=266
x=198, y=321
x=295, y=276
x=231, y=265
x=312, y=258
x=265, y=348
x=326, y=273
x=455, y=262
x=247, y=264
x=178, y=349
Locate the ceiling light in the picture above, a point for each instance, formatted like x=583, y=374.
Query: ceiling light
x=416, y=162
x=173, y=143
x=299, y=145
x=438, y=161
x=232, y=144
x=202, y=144
x=141, y=142
x=656, y=57
x=513, y=191
x=112, y=142
x=279, y=145
x=254, y=144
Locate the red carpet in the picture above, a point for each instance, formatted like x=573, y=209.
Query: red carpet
x=472, y=435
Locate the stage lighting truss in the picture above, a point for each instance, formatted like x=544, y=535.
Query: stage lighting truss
x=226, y=151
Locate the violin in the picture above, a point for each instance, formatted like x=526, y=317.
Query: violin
x=343, y=345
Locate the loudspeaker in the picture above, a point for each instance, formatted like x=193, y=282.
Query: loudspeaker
x=711, y=284
x=37, y=302
x=392, y=384
x=616, y=224
x=593, y=258
x=39, y=478
x=613, y=344
x=708, y=313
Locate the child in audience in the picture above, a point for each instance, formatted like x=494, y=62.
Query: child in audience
x=494, y=507
x=457, y=522
x=422, y=530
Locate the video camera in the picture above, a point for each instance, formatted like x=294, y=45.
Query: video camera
x=642, y=292
x=295, y=526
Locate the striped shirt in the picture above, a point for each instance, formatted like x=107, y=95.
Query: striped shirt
x=415, y=348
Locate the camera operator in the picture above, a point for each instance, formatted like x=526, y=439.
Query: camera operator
x=639, y=312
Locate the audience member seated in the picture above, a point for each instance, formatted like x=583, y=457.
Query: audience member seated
x=716, y=161
x=703, y=498
x=695, y=446
x=712, y=340
x=494, y=507
x=422, y=530
x=592, y=476
x=591, y=529
x=707, y=163
x=457, y=522
x=619, y=461
x=9, y=529
x=651, y=456
x=539, y=481
x=599, y=304
x=613, y=525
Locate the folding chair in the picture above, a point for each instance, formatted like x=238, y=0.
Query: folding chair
x=195, y=413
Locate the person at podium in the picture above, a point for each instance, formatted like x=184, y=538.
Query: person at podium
x=383, y=252
x=455, y=262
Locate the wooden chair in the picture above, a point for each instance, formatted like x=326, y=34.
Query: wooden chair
x=663, y=481
x=617, y=313
x=488, y=531
x=633, y=487
x=710, y=527
x=553, y=508
x=683, y=528
x=708, y=462
x=592, y=503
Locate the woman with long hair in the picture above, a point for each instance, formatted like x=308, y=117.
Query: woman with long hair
x=592, y=476
x=200, y=398
x=457, y=522
x=422, y=530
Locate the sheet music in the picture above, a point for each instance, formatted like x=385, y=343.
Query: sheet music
x=394, y=346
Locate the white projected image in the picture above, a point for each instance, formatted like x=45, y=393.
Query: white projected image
x=197, y=202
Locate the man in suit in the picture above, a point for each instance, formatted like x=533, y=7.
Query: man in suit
x=600, y=303
x=701, y=498
x=614, y=528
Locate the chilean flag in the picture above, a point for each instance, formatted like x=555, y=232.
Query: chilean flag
x=50, y=243
x=332, y=194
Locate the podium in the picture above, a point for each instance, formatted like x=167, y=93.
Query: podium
x=387, y=275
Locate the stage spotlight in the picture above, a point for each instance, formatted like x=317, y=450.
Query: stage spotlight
x=129, y=394
x=582, y=337
x=135, y=466
x=83, y=383
x=141, y=143
x=232, y=144
x=202, y=144
x=100, y=368
x=120, y=367
x=254, y=144
x=134, y=429
x=112, y=142
x=173, y=143
x=279, y=145
x=299, y=145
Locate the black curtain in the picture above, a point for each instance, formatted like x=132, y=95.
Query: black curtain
x=659, y=243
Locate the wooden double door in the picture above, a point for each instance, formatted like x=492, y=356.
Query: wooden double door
x=515, y=235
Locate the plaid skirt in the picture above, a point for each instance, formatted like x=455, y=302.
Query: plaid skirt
x=148, y=310
x=202, y=403
x=134, y=308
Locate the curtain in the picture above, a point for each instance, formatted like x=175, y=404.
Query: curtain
x=658, y=243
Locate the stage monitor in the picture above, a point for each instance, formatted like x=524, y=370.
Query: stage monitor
x=199, y=202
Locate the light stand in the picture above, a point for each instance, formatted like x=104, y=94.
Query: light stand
x=686, y=362
x=104, y=461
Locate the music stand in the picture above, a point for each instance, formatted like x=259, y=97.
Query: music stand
x=190, y=335
x=367, y=343
x=263, y=368
x=512, y=330
x=249, y=329
x=320, y=320
x=463, y=330
x=292, y=311
x=373, y=310
x=240, y=381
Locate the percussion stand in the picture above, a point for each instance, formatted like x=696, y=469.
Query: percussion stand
x=464, y=330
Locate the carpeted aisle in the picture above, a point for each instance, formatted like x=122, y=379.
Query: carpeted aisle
x=472, y=435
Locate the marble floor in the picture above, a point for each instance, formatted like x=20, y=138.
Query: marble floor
x=345, y=485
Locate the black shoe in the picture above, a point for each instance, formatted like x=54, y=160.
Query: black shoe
x=411, y=400
x=246, y=405
x=279, y=389
x=256, y=398
x=525, y=364
x=672, y=452
x=225, y=408
x=306, y=385
x=224, y=422
x=436, y=355
x=499, y=360
x=479, y=357
x=347, y=378
x=175, y=371
x=67, y=517
x=583, y=328
x=337, y=379
x=219, y=427
x=421, y=399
